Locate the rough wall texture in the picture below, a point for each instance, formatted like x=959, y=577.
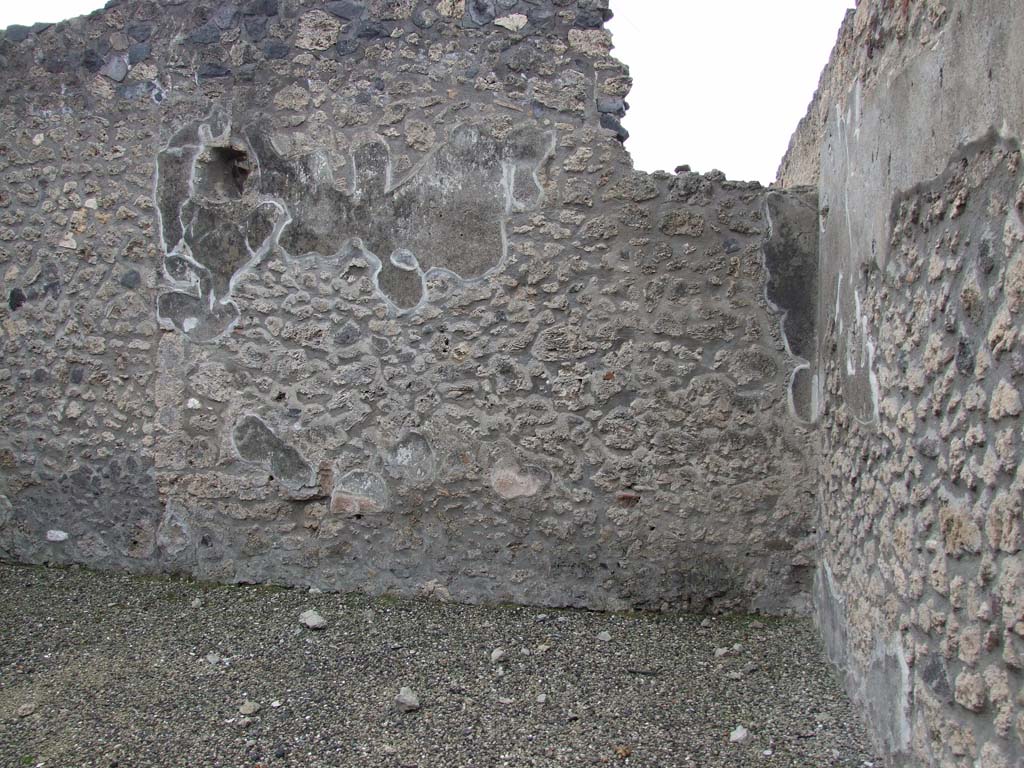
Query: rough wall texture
x=920, y=589
x=367, y=295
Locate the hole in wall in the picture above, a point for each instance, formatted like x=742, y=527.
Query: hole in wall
x=222, y=172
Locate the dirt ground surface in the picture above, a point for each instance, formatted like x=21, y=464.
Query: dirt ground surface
x=114, y=670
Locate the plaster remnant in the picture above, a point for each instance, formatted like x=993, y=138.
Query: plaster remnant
x=255, y=442
x=358, y=493
x=411, y=460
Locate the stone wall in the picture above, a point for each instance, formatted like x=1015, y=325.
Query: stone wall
x=368, y=295
x=920, y=590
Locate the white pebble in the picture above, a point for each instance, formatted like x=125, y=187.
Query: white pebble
x=312, y=619
x=407, y=700
x=739, y=735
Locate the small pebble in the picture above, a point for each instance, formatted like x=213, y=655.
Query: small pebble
x=604, y=637
x=497, y=655
x=26, y=709
x=311, y=619
x=739, y=735
x=249, y=708
x=406, y=700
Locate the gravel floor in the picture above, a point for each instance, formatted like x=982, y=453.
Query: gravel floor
x=111, y=670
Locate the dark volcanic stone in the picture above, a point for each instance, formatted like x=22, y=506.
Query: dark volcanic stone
x=346, y=9
x=591, y=19
x=346, y=47
x=479, y=12
x=985, y=261
x=612, y=123
x=131, y=279
x=17, y=33
x=372, y=30
x=16, y=299
x=54, y=62
x=256, y=27
x=92, y=61
x=208, y=71
x=965, y=357
x=611, y=105
x=138, y=52
x=224, y=16
x=206, y=34
x=139, y=32
x=261, y=8
x=275, y=49
x=424, y=18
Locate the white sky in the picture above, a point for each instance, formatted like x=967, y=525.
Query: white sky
x=721, y=83
x=716, y=83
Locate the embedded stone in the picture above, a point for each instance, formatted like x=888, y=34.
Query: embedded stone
x=1005, y=401
x=970, y=691
x=612, y=123
x=261, y=8
x=139, y=31
x=682, y=222
x=224, y=15
x=451, y=8
x=346, y=9
x=591, y=42
x=17, y=33
x=510, y=481
x=206, y=34
x=138, y=52
x=513, y=22
x=317, y=31
x=275, y=49
x=294, y=97
x=479, y=12
x=212, y=71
